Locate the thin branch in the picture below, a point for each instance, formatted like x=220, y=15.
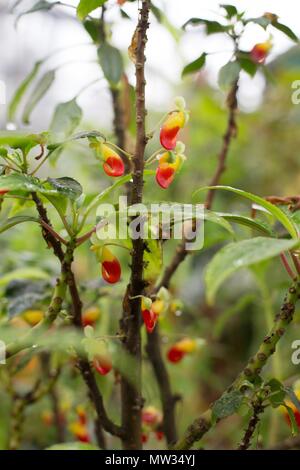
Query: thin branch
x=203, y=424
x=132, y=402
x=83, y=363
x=168, y=400
x=228, y=136
x=252, y=425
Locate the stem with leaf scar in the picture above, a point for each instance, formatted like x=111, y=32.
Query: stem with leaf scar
x=203, y=424
x=131, y=397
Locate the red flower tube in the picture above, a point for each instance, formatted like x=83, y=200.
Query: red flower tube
x=102, y=364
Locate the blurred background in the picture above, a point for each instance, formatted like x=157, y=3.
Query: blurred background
x=264, y=159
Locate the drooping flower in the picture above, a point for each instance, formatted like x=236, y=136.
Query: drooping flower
x=111, y=268
x=169, y=131
x=260, y=51
x=90, y=316
x=174, y=354
x=102, y=364
x=151, y=416
x=113, y=164
x=181, y=348
x=168, y=164
x=150, y=312
x=80, y=431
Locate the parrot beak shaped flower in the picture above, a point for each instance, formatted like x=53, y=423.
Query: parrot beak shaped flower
x=174, y=354
x=181, y=348
x=3, y=191
x=169, y=131
x=167, y=166
x=150, y=312
x=80, y=431
x=165, y=175
x=260, y=51
x=150, y=319
x=113, y=164
x=102, y=364
x=111, y=268
x=90, y=316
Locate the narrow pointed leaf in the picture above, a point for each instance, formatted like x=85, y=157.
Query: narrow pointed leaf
x=37, y=94
x=240, y=255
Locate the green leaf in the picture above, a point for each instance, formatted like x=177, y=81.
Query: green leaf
x=66, y=118
x=87, y=6
x=24, y=294
x=286, y=30
x=248, y=65
x=16, y=140
x=21, y=90
x=66, y=186
x=73, y=446
x=111, y=62
x=248, y=222
x=91, y=25
x=12, y=221
x=277, y=393
x=195, y=66
x=274, y=210
x=293, y=397
x=227, y=405
x=230, y=10
x=262, y=21
x=212, y=27
x=41, y=5
x=239, y=255
x=228, y=74
x=17, y=181
x=152, y=260
x=23, y=273
x=37, y=94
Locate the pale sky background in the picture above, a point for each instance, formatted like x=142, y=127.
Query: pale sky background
x=39, y=34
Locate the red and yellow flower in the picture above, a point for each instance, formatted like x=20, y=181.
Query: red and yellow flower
x=3, y=191
x=113, y=164
x=111, y=268
x=102, y=364
x=169, y=131
x=168, y=164
x=180, y=349
x=150, y=312
x=90, y=316
x=260, y=52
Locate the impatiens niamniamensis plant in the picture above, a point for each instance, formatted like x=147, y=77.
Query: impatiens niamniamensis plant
x=104, y=324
